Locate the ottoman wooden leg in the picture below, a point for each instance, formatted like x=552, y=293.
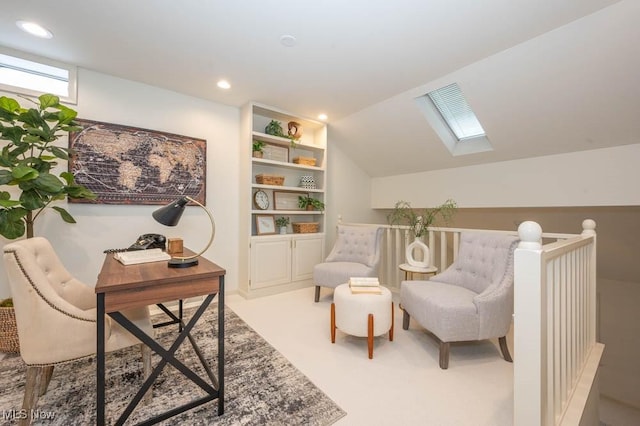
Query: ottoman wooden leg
x=391, y=329
x=370, y=336
x=333, y=323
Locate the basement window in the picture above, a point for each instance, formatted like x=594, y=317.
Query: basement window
x=32, y=76
x=452, y=118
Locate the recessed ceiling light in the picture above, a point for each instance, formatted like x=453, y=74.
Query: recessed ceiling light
x=34, y=29
x=322, y=117
x=224, y=84
x=288, y=40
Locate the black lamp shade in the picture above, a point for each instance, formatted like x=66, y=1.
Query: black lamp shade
x=170, y=214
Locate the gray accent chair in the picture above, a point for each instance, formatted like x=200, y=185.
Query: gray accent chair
x=356, y=253
x=56, y=317
x=470, y=300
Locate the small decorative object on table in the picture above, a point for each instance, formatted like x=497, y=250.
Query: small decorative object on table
x=174, y=246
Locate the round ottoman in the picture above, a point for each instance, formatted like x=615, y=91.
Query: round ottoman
x=362, y=314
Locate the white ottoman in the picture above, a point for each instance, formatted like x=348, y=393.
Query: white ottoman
x=362, y=315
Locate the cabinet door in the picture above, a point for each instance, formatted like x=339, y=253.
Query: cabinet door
x=270, y=262
x=307, y=252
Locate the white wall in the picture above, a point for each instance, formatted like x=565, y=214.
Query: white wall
x=602, y=177
x=113, y=100
x=349, y=192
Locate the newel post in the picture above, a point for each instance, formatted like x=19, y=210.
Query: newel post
x=528, y=339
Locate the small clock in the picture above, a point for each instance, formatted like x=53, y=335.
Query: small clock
x=261, y=200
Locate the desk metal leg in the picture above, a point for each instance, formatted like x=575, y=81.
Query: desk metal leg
x=221, y=347
x=100, y=360
x=168, y=357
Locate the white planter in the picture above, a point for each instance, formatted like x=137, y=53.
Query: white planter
x=420, y=247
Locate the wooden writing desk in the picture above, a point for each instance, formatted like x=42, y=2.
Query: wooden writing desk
x=121, y=287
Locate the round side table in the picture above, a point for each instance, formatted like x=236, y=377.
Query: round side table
x=409, y=270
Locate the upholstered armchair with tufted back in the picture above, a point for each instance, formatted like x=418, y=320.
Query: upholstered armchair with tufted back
x=470, y=300
x=356, y=253
x=56, y=315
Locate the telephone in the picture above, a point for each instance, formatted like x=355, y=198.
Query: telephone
x=144, y=241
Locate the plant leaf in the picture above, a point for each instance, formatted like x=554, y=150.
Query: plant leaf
x=11, y=227
x=24, y=173
x=49, y=183
x=48, y=100
x=64, y=214
x=31, y=200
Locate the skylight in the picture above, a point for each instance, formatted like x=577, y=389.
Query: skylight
x=453, y=120
x=35, y=76
x=456, y=111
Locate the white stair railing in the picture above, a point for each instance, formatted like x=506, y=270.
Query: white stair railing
x=555, y=353
x=554, y=327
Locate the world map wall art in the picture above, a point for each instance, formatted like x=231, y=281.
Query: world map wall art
x=129, y=165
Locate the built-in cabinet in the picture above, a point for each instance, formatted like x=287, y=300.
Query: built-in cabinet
x=287, y=170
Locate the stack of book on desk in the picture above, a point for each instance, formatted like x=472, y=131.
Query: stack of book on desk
x=365, y=285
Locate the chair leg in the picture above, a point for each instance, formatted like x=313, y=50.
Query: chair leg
x=146, y=369
x=333, y=323
x=444, y=355
x=48, y=372
x=392, y=323
x=405, y=320
x=36, y=377
x=317, y=299
x=370, y=336
x=504, y=348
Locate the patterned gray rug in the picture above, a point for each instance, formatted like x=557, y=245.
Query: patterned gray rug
x=261, y=386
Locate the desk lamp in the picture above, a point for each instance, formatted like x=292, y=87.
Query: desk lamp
x=170, y=215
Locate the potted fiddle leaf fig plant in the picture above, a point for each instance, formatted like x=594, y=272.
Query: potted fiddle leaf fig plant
x=28, y=157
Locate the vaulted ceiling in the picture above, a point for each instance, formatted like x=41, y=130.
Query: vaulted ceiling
x=544, y=76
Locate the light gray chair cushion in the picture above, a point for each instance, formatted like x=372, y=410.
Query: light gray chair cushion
x=473, y=298
x=356, y=253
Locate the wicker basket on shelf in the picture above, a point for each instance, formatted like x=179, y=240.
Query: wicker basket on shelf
x=8, y=331
x=305, y=227
x=307, y=161
x=270, y=180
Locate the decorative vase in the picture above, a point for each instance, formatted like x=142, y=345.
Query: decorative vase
x=421, y=247
x=283, y=229
x=257, y=154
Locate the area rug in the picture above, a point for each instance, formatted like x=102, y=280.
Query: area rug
x=261, y=386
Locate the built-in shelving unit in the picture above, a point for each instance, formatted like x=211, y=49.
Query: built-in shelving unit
x=280, y=262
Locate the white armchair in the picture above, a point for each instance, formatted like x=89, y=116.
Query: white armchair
x=56, y=315
x=356, y=253
x=472, y=299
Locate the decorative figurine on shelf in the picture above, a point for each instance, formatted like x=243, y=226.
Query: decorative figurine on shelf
x=295, y=130
x=274, y=129
x=282, y=223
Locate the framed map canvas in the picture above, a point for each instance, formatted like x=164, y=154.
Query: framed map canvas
x=129, y=165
